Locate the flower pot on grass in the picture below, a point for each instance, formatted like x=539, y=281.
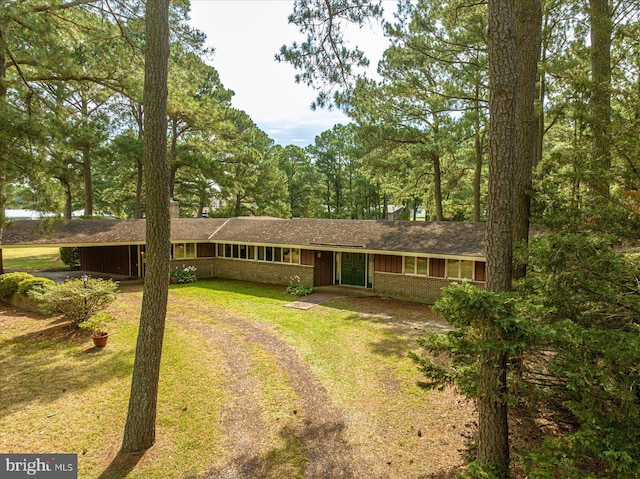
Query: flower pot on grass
x=97, y=324
x=100, y=341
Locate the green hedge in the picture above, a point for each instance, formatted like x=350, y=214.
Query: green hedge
x=9, y=282
x=34, y=284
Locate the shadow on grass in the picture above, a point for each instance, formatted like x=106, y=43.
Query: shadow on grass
x=121, y=465
x=447, y=474
x=58, y=330
x=10, y=311
x=44, y=365
x=402, y=322
x=392, y=347
x=318, y=451
x=258, y=290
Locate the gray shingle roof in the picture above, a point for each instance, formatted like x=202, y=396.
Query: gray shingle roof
x=443, y=238
x=438, y=238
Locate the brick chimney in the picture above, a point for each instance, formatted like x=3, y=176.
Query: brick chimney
x=174, y=208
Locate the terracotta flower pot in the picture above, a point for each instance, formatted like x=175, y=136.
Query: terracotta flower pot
x=100, y=341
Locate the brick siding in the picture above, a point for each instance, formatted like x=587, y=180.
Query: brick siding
x=256, y=271
x=401, y=286
x=204, y=267
x=262, y=272
x=413, y=288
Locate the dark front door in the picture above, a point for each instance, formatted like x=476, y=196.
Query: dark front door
x=133, y=261
x=323, y=268
x=354, y=269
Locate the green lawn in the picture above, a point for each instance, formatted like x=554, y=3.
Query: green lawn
x=233, y=369
x=32, y=259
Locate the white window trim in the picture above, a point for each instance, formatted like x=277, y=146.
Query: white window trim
x=459, y=276
x=415, y=266
x=195, y=250
x=256, y=249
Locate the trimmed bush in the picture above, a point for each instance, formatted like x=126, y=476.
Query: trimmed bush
x=37, y=284
x=97, y=324
x=296, y=288
x=76, y=299
x=9, y=282
x=70, y=256
x=185, y=275
x=300, y=290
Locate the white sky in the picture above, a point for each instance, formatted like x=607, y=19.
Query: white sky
x=246, y=35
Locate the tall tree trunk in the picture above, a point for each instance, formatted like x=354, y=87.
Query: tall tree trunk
x=174, y=156
x=437, y=186
x=68, y=199
x=3, y=164
x=478, y=149
x=493, y=429
x=600, y=101
x=437, y=175
x=201, y=202
x=140, y=428
x=238, y=204
x=86, y=155
x=385, y=212
x=3, y=188
x=137, y=112
x=528, y=25
x=542, y=90
x=172, y=180
x=137, y=211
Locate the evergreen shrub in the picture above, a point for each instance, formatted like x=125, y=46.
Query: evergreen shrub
x=9, y=283
x=76, y=299
x=70, y=256
x=34, y=284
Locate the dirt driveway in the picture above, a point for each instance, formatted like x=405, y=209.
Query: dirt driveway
x=380, y=427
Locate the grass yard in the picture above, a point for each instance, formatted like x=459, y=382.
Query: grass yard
x=32, y=259
x=248, y=388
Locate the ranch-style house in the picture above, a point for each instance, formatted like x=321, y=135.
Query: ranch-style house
x=410, y=260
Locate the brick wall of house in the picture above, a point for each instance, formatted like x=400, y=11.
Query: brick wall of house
x=262, y=272
x=256, y=271
x=413, y=288
x=205, y=266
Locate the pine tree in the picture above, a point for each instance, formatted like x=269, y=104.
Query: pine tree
x=140, y=428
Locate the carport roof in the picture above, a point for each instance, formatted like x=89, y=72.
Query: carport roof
x=439, y=238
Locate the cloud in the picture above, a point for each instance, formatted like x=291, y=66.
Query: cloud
x=303, y=129
x=246, y=36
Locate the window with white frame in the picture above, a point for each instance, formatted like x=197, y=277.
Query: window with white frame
x=416, y=265
x=184, y=250
x=291, y=255
x=259, y=253
x=459, y=269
